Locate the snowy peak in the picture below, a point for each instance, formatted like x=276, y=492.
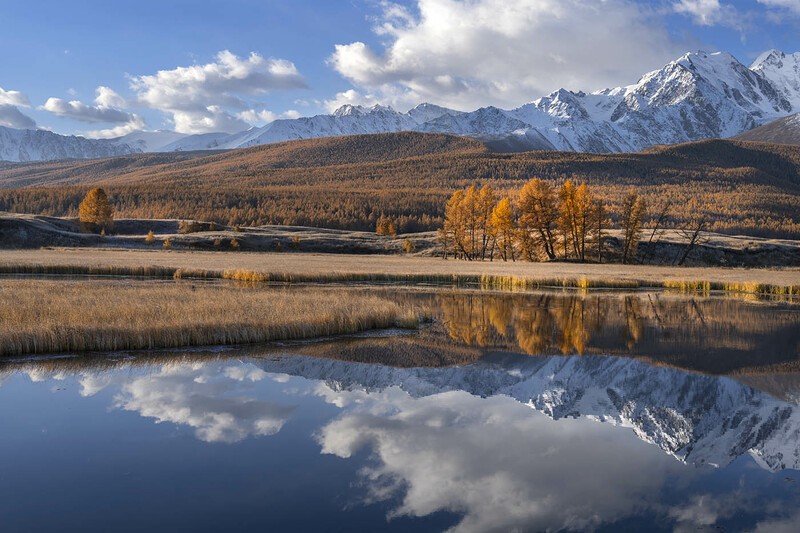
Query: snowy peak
x=39, y=145
x=782, y=71
x=426, y=112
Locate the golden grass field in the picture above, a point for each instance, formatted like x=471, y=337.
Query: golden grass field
x=333, y=267
x=46, y=316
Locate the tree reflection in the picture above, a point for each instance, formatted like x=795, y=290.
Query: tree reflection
x=708, y=334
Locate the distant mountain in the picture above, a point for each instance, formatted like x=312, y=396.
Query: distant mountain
x=698, y=96
x=42, y=145
x=782, y=131
x=150, y=141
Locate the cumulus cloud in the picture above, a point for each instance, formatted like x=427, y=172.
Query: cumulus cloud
x=12, y=117
x=210, y=97
x=136, y=123
x=106, y=108
x=14, y=98
x=501, y=52
x=350, y=97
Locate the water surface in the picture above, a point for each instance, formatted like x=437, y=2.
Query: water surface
x=525, y=412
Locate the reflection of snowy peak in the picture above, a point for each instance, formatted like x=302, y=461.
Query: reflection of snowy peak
x=698, y=419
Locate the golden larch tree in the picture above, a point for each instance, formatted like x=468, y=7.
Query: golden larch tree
x=95, y=211
x=504, y=229
x=538, y=213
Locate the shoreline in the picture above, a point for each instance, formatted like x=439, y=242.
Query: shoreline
x=342, y=268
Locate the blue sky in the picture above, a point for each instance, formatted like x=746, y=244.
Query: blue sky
x=228, y=65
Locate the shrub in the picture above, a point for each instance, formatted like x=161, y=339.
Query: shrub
x=167, y=244
x=151, y=238
x=408, y=246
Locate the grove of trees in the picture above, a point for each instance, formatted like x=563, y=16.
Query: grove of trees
x=540, y=223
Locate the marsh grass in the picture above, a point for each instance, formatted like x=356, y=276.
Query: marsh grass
x=45, y=316
x=789, y=292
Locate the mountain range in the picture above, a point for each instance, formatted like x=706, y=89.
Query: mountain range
x=698, y=96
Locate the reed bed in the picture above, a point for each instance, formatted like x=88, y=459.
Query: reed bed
x=454, y=279
x=45, y=316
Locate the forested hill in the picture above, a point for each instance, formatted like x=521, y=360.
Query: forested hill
x=348, y=182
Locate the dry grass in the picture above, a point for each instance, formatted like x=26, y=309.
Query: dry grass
x=55, y=316
x=783, y=283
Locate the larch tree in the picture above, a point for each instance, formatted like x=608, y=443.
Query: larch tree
x=538, y=213
x=95, y=211
x=504, y=229
x=634, y=209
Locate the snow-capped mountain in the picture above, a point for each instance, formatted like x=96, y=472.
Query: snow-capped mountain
x=39, y=145
x=698, y=96
x=696, y=418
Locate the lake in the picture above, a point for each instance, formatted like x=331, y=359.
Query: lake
x=529, y=412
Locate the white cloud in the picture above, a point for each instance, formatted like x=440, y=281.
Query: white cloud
x=206, y=98
x=105, y=110
x=351, y=97
x=789, y=5
x=136, y=123
x=14, y=98
x=12, y=117
x=504, y=52
x=709, y=12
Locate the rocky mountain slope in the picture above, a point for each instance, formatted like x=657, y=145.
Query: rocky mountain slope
x=782, y=131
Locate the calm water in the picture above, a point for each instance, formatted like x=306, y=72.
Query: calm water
x=501, y=415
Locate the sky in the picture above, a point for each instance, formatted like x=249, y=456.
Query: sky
x=103, y=69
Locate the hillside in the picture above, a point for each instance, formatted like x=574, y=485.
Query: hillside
x=782, y=131
x=348, y=182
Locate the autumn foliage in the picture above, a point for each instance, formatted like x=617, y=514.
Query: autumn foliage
x=95, y=212
x=540, y=223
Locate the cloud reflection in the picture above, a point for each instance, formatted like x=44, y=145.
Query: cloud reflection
x=499, y=463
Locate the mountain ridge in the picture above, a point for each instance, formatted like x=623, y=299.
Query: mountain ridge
x=697, y=96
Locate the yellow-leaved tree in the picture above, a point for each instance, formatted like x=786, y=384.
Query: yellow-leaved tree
x=504, y=228
x=538, y=213
x=95, y=212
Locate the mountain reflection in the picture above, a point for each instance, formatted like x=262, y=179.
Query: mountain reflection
x=509, y=442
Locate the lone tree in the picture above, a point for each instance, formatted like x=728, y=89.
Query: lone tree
x=95, y=212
